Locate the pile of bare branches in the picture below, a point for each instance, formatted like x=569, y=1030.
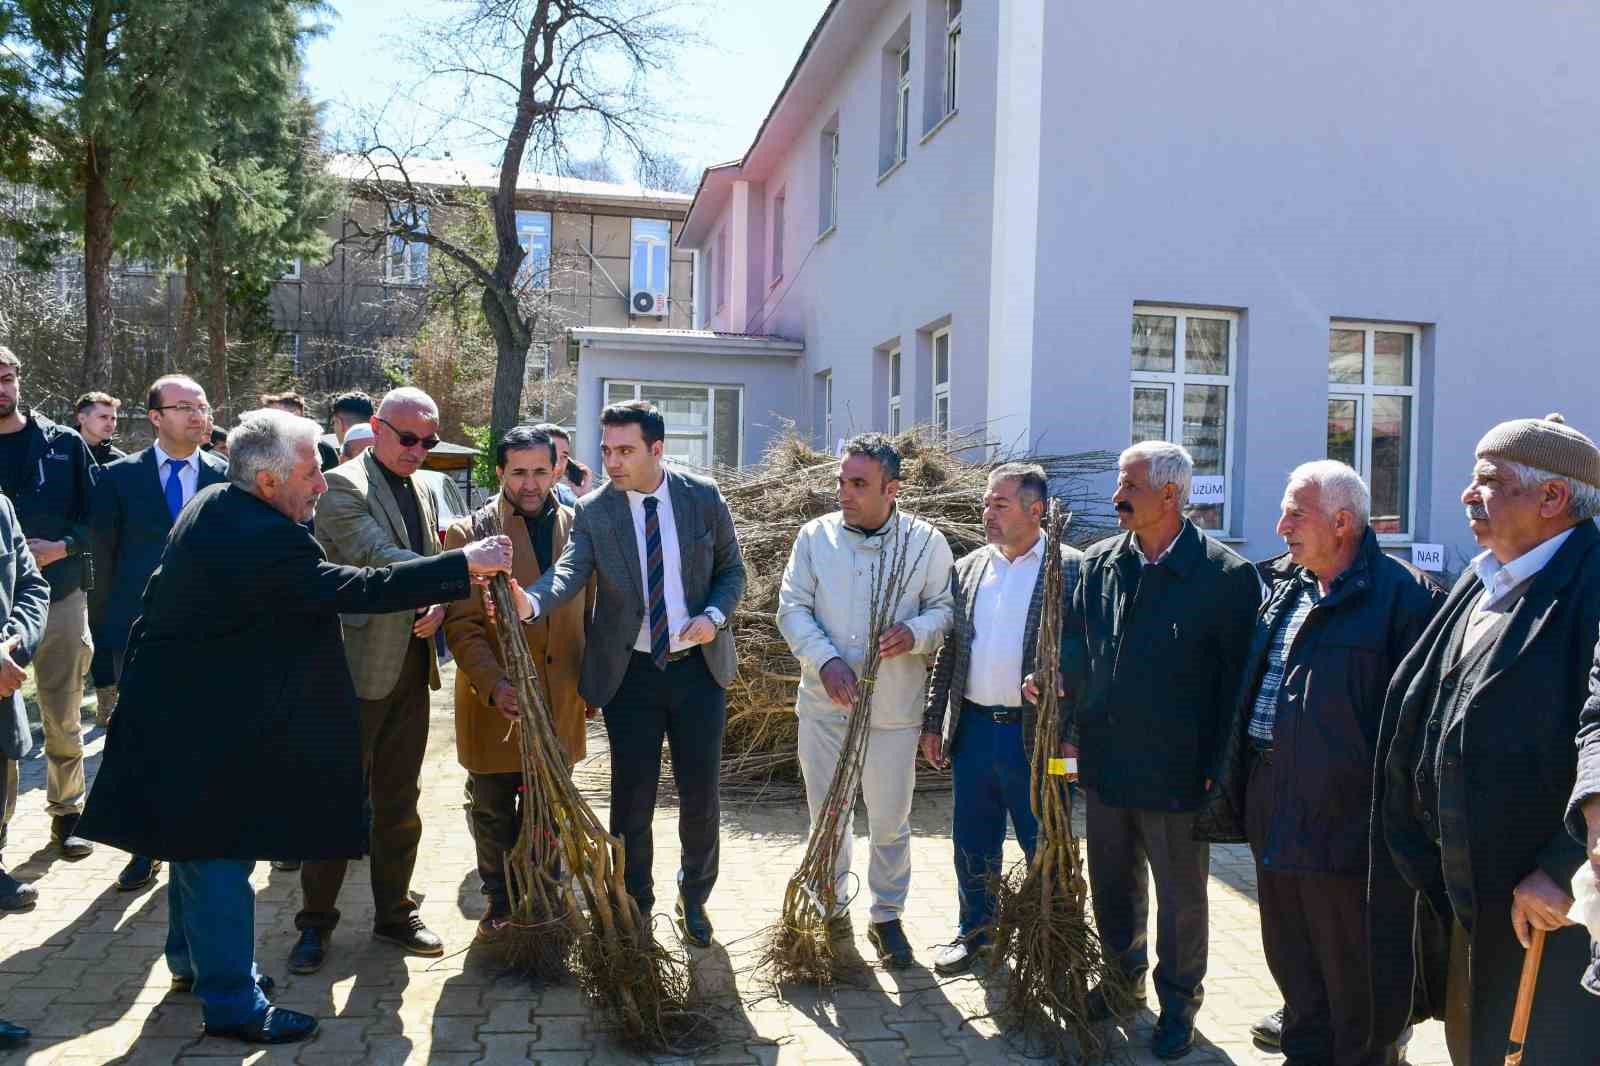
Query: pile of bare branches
x=942, y=482
x=799, y=947
x=608, y=943
x=1042, y=928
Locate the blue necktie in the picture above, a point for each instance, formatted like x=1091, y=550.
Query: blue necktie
x=174, y=487
x=660, y=641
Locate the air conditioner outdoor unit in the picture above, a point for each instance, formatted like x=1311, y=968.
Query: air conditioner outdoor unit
x=650, y=303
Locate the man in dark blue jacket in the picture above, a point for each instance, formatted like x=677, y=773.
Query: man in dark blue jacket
x=47, y=472
x=1152, y=656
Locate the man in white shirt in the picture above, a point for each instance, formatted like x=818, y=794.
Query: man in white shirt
x=823, y=613
x=135, y=501
x=977, y=720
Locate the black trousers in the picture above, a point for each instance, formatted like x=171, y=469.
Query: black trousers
x=1126, y=846
x=686, y=706
x=495, y=816
x=1313, y=930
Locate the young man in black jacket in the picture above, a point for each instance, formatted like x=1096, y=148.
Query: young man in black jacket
x=97, y=425
x=47, y=472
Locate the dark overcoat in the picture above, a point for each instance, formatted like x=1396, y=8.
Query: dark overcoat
x=236, y=732
x=1514, y=776
x=24, y=609
x=1152, y=659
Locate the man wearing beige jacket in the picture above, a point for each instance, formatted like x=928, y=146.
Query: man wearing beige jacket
x=376, y=514
x=487, y=747
x=823, y=608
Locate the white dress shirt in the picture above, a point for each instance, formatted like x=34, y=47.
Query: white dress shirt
x=999, y=618
x=188, y=474
x=1499, y=579
x=671, y=572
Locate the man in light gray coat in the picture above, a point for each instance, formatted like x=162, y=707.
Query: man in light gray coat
x=823, y=612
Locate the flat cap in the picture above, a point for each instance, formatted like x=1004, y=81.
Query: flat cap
x=1545, y=443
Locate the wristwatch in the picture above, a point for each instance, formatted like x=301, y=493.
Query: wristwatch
x=718, y=619
x=69, y=544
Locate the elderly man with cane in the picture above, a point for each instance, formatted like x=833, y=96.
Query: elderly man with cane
x=240, y=558
x=1475, y=765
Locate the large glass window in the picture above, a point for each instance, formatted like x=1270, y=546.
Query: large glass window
x=1372, y=415
x=406, y=261
x=704, y=422
x=895, y=419
x=533, y=233
x=651, y=261
x=828, y=210
x=952, y=54
x=902, y=109
x=1183, y=364
x=941, y=381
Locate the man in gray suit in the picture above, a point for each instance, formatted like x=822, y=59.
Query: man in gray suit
x=24, y=608
x=661, y=543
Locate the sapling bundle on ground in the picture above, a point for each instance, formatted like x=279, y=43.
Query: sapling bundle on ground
x=606, y=942
x=1042, y=927
x=799, y=948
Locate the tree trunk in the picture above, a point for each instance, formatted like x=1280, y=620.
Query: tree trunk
x=183, y=342
x=217, y=327
x=97, y=253
x=511, y=340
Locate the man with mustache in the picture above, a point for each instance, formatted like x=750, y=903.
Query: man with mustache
x=1476, y=765
x=1153, y=654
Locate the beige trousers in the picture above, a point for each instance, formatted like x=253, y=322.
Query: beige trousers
x=58, y=666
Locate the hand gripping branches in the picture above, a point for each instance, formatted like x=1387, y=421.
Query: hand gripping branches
x=1042, y=929
x=608, y=944
x=799, y=947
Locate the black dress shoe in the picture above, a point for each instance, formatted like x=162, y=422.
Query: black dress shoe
x=12, y=1035
x=1268, y=1032
x=287, y=866
x=309, y=952
x=412, y=935
x=693, y=925
x=263, y=982
x=894, y=950
x=139, y=872
x=14, y=895
x=1101, y=1010
x=64, y=832
x=1172, y=1039
x=277, y=1026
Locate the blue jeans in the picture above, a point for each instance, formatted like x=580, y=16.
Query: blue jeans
x=211, y=937
x=991, y=773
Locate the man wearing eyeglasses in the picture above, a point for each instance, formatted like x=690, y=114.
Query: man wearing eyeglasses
x=377, y=513
x=47, y=472
x=136, y=501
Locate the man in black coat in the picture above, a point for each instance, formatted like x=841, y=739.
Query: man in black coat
x=1152, y=656
x=1296, y=778
x=1583, y=812
x=270, y=659
x=1476, y=766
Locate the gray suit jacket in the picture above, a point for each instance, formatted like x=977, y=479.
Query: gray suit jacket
x=24, y=607
x=603, y=544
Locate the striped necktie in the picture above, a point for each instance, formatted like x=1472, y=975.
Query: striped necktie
x=660, y=642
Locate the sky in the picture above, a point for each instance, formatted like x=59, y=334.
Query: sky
x=719, y=92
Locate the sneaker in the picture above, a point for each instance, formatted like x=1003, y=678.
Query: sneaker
x=14, y=895
x=894, y=950
x=64, y=833
x=1268, y=1032
x=955, y=957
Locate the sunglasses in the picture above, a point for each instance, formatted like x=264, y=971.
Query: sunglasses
x=411, y=440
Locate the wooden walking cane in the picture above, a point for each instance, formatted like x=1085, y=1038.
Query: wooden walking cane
x=1530, y=980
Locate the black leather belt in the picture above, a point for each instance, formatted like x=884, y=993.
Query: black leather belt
x=1262, y=752
x=1001, y=715
x=672, y=657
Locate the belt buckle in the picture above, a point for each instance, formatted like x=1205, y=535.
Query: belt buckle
x=1006, y=717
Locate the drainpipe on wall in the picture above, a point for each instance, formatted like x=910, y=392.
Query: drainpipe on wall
x=697, y=318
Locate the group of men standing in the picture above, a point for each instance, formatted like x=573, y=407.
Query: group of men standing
x=1316, y=705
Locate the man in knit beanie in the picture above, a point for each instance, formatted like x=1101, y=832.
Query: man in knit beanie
x=1476, y=757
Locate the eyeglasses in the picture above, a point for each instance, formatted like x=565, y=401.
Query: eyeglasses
x=187, y=408
x=411, y=440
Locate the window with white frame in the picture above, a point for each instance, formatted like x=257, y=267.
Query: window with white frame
x=1182, y=390
x=827, y=410
x=650, y=263
x=828, y=210
x=704, y=422
x=1372, y=415
x=405, y=261
x=952, y=53
x=902, y=105
x=533, y=234
x=291, y=271
x=941, y=380
x=289, y=349
x=778, y=203
x=895, y=422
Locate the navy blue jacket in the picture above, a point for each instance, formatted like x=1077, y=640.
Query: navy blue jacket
x=129, y=530
x=54, y=503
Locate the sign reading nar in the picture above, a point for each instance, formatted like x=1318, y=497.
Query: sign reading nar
x=1428, y=557
x=1207, y=489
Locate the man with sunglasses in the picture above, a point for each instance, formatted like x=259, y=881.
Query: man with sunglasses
x=136, y=501
x=376, y=513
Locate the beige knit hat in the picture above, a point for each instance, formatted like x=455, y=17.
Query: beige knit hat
x=1545, y=443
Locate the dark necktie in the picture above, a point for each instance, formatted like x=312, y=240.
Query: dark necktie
x=660, y=642
x=174, y=487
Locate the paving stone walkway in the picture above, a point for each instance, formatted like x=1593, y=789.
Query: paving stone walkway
x=84, y=970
